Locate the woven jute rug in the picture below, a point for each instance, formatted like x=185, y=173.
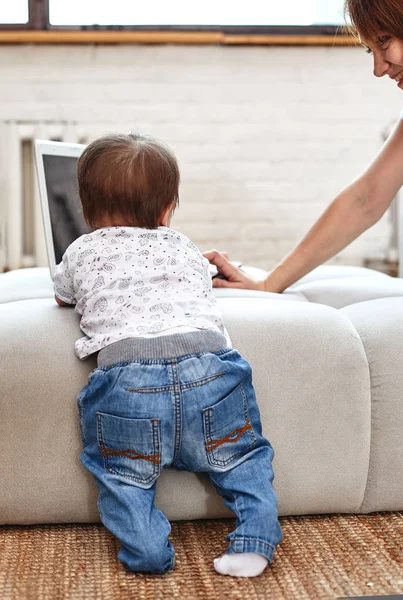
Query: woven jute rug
x=321, y=557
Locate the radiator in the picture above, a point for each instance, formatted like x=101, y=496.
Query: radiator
x=22, y=239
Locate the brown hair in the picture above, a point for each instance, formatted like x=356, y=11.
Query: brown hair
x=128, y=178
x=371, y=18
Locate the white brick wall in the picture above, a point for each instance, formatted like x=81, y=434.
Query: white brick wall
x=265, y=136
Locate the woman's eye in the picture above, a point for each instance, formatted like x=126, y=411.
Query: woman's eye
x=383, y=41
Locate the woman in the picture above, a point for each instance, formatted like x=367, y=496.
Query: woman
x=379, y=26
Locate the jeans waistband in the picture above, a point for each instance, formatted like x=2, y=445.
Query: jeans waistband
x=163, y=346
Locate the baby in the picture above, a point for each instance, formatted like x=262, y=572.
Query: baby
x=168, y=390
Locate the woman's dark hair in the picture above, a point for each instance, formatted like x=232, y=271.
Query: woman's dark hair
x=128, y=178
x=372, y=18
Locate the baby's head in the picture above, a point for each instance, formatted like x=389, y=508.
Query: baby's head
x=130, y=180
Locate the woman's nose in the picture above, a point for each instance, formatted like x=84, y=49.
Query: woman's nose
x=381, y=66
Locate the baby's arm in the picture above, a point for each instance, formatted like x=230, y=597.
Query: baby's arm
x=63, y=282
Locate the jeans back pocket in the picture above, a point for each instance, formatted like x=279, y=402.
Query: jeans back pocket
x=130, y=447
x=228, y=432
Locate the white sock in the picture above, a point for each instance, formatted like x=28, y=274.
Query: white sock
x=243, y=564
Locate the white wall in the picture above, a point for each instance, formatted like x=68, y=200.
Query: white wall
x=265, y=136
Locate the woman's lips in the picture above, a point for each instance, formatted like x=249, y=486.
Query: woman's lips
x=399, y=79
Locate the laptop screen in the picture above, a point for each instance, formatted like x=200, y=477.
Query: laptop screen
x=66, y=217
x=63, y=220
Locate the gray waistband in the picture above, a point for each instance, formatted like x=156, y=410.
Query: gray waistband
x=162, y=347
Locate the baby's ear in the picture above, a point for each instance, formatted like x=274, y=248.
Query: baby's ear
x=166, y=215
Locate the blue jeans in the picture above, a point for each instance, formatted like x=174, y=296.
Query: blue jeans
x=195, y=410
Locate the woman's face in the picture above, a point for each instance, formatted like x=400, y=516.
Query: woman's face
x=387, y=51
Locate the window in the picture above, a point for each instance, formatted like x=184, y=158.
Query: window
x=195, y=13
x=218, y=21
x=13, y=13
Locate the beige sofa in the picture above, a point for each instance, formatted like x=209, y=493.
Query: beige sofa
x=327, y=357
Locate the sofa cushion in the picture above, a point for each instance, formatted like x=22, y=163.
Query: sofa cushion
x=23, y=284
x=345, y=291
x=379, y=323
x=312, y=384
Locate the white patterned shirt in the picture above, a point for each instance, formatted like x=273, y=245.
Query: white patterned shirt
x=131, y=282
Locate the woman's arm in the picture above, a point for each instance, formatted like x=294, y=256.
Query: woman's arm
x=353, y=211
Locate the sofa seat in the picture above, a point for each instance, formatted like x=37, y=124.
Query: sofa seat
x=327, y=358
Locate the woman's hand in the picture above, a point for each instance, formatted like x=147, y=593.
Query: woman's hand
x=234, y=277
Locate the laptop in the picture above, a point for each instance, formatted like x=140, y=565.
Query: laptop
x=56, y=166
